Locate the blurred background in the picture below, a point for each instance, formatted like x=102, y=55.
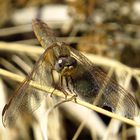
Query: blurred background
x=109, y=31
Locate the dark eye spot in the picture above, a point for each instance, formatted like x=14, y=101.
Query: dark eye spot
x=68, y=62
x=60, y=63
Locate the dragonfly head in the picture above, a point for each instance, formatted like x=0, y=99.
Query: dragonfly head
x=65, y=65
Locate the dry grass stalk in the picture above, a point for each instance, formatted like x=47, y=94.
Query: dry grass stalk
x=32, y=50
x=14, y=47
x=78, y=101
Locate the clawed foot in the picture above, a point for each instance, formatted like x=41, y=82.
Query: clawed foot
x=74, y=97
x=52, y=92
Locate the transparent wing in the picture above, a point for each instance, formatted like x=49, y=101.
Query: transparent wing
x=43, y=33
x=27, y=98
x=113, y=95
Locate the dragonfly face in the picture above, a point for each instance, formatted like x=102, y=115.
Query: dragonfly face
x=61, y=59
x=77, y=75
x=65, y=65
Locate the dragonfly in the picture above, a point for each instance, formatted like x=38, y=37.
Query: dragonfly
x=77, y=75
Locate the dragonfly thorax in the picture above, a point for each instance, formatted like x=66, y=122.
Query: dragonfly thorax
x=65, y=64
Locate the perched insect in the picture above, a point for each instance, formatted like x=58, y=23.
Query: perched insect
x=77, y=75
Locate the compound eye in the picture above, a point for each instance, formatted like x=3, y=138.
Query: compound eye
x=59, y=65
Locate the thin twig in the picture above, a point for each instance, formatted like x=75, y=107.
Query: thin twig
x=78, y=101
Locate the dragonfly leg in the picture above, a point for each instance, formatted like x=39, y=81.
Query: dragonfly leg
x=72, y=89
x=52, y=92
x=61, y=102
x=68, y=84
x=74, y=97
x=61, y=86
x=53, y=84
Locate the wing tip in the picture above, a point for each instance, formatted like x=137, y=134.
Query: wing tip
x=3, y=115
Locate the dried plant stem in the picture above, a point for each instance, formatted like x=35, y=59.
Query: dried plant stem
x=60, y=94
x=80, y=128
x=15, y=30
x=14, y=47
x=112, y=63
